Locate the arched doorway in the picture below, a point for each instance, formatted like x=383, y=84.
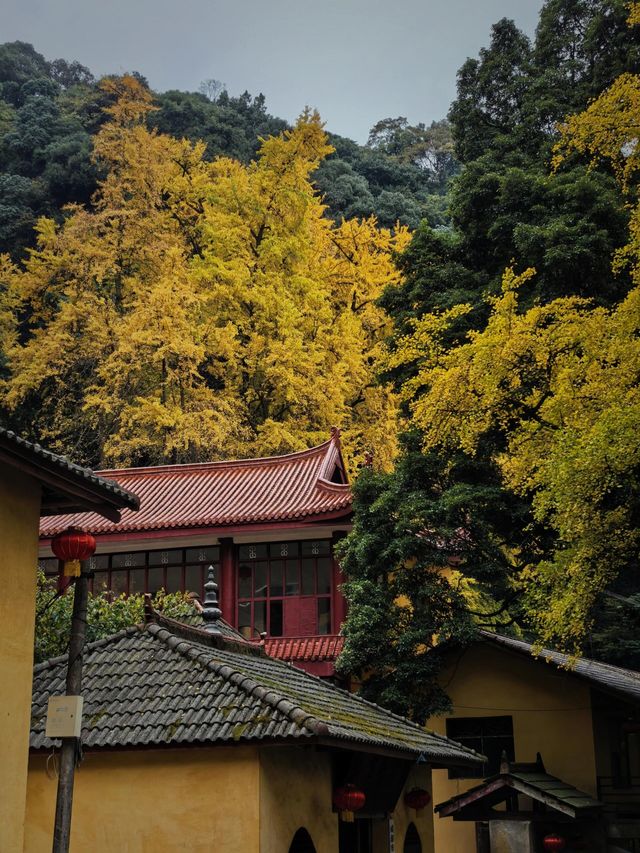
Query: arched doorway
x=412, y=843
x=302, y=842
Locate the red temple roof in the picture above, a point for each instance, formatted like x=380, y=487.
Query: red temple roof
x=294, y=487
x=309, y=649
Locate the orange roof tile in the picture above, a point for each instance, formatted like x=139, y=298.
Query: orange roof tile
x=293, y=487
x=321, y=648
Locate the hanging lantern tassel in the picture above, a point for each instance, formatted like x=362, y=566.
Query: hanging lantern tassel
x=348, y=800
x=417, y=799
x=72, y=546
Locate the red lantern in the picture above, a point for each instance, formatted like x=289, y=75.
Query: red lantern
x=417, y=799
x=554, y=842
x=348, y=800
x=73, y=545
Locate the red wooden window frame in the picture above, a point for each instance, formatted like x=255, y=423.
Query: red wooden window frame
x=284, y=588
x=171, y=569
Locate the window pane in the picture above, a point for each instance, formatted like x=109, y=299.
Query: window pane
x=136, y=580
x=100, y=582
x=489, y=735
x=174, y=579
x=275, y=618
x=244, y=619
x=260, y=616
x=308, y=576
x=465, y=727
x=119, y=561
x=277, y=573
x=253, y=552
x=193, y=579
x=244, y=581
x=98, y=561
x=203, y=555
x=156, y=580
x=493, y=747
x=292, y=582
x=260, y=580
x=324, y=576
x=320, y=549
x=118, y=582
x=165, y=558
x=49, y=565
x=324, y=616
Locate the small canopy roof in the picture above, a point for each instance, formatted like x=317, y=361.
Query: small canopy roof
x=532, y=781
x=66, y=487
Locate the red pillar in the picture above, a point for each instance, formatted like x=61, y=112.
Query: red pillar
x=339, y=605
x=227, y=581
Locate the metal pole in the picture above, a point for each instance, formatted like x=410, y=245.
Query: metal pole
x=69, y=751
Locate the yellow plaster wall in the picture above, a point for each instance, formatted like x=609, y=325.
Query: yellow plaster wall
x=19, y=518
x=197, y=800
x=295, y=791
x=551, y=713
x=420, y=777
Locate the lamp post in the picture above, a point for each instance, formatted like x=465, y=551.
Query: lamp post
x=72, y=546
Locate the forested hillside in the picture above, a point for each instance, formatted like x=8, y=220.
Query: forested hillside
x=51, y=110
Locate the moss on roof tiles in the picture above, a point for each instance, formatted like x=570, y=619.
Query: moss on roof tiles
x=147, y=686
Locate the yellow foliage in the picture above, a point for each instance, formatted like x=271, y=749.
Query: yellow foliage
x=201, y=309
x=560, y=383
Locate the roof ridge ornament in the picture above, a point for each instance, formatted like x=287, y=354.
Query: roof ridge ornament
x=210, y=609
x=335, y=436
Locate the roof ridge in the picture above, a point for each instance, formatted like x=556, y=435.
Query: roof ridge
x=386, y=711
x=195, y=466
x=252, y=688
x=89, y=647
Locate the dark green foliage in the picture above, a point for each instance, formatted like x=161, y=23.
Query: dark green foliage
x=106, y=614
x=506, y=208
x=230, y=126
x=490, y=106
x=615, y=636
x=511, y=97
x=20, y=200
x=408, y=526
x=50, y=110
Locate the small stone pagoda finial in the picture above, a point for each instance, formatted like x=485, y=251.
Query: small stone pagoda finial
x=210, y=610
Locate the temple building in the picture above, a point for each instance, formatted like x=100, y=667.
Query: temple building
x=195, y=739
x=268, y=526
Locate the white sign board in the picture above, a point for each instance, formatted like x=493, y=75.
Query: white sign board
x=64, y=716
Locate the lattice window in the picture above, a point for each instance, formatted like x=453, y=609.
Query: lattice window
x=284, y=588
x=171, y=569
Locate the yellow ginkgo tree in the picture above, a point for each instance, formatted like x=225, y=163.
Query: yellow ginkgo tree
x=199, y=309
x=555, y=390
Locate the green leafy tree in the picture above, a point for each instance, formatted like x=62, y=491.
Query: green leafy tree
x=504, y=205
x=106, y=614
x=405, y=615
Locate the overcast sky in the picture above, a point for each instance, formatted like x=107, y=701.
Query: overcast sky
x=356, y=61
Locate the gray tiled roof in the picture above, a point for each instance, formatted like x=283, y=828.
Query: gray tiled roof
x=150, y=685
x=12, y=442
x=625, y=682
